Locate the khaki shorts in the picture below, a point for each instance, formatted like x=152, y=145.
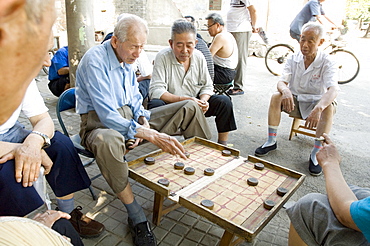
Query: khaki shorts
x=296, y=113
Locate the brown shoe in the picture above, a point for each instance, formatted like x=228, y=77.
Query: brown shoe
x=84, y=225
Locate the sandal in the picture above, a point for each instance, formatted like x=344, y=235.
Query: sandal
x=233, y=92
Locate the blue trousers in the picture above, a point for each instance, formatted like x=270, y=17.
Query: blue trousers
x=67, y=176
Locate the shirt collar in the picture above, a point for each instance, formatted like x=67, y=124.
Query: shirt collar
x=315, y=64
x=113, y=60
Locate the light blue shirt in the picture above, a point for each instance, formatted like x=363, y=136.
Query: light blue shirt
x=360, y=212
x=104, y=85
x=308, y=13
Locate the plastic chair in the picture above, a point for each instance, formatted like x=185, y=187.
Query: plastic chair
x=66, y=101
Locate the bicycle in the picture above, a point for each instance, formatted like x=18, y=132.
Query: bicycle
x=348, y=64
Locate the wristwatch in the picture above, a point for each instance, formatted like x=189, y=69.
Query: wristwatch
x=45, y=137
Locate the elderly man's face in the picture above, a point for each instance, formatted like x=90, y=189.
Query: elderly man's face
x=23, y=45
x=129, y=50
x=212, y=28
x=183, y=46
x=310, y=42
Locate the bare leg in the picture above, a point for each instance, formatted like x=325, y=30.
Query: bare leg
x=274, y=114
x=126, y=195
x=294, y=238
x=326, y=121
x=222, y=137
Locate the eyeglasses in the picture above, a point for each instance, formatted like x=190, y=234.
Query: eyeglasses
x=210, y=25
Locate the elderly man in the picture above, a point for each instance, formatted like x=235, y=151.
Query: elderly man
x=20, y=58
x=180, y=74
x=341, y=217
x=307, y=89
x=223, y=49
x=109, y=102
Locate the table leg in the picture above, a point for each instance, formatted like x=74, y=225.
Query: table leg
x=226, y=239
x=157, y=208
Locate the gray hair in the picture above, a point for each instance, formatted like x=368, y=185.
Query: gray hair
x=127, y=23
x=35, y=9
x=317, y=27
x=216, y=18
x=182, y=26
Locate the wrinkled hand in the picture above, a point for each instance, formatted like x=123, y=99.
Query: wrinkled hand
x=49, y=217
x=204, y=105
x=287, y=100
x=144, y=123
x=313, y=119
x=28, y=160
x=169, y=144
x=329, y=154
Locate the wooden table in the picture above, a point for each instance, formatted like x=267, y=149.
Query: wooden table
x=238, y=207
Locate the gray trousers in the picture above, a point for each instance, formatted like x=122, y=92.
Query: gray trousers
x=108, y=145
x=316, y=224
x=242, y=41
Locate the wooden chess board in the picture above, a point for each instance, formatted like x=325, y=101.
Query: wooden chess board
x=238, y=207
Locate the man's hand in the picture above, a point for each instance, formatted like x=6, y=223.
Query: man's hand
x=28, y=160
x=144, y=123
x=329, y=154
x=313, y=118
x=49, y=217
x=287, y=100
x=204, y=105
x=169, y=144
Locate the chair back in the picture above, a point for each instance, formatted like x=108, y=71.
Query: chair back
x=67, y=100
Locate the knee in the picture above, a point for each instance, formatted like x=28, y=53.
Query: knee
x=153, y=103
x=223, y=101
x=105, y=139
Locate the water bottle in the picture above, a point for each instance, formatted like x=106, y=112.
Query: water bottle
x=263, y=35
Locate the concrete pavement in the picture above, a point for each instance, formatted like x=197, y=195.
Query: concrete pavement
x=183, y=227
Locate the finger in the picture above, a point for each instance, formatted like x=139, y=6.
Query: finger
x=7, y=157
x=47, y=163
x=327, y=139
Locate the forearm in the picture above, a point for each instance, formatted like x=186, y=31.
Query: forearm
x=340, y=195
x=204, y=97
x=6, y=147
x=171, y=98
x=327, y=99
x=281, y=85
x=141, y=78
x=253, y=15
x=63, y=71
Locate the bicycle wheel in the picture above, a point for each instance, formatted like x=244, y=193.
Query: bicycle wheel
x=276, y=58
x=348, y=65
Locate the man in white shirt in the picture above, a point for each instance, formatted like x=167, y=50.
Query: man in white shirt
x=241, y=21
x=307, y=89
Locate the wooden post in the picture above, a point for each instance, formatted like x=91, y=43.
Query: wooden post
x=81, y=34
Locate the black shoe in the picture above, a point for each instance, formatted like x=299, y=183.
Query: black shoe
x=315, y=170
x=141, y=234
x=264, y=151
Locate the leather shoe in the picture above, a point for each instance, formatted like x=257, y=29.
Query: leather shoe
x=141, y=234
x=264, y=151
x=315, y=170
x=84, y=225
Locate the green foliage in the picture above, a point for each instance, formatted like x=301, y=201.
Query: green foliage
x=358, y=9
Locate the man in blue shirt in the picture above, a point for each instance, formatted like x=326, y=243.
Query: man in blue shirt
x=312, y=11
x=59, y=72
x=341, y=217
x=110, y=105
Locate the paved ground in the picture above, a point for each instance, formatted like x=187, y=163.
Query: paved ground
x=183, y=227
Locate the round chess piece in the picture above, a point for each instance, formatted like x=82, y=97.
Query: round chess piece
x=259, y=166
x=189, y=171
x=268, y=204
x=281, y=191
x=226, y=152
x=207, y=203
x=187, y=154
x=164, y=182
x=252, y=181
x=179, y=165
x=209, y=171
x=149, y=160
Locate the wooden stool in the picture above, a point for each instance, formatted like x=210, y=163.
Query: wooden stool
x=297, y=126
